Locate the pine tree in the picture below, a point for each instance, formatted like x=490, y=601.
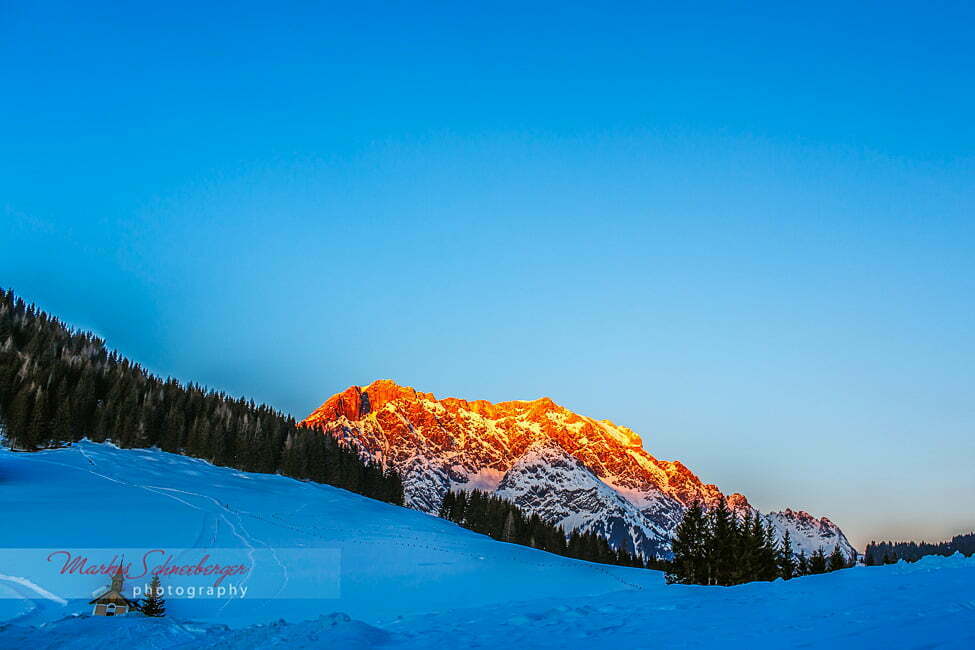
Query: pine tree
x=508, y=534
x=154, y=604
x=723, y=542
x=19, y=419
x=817, y=562
x=837, y=560
x=689, y=546
x=446, y=510
x=787, y=561
x=768, y=568
x=748, y=542
x=40, y=427
x=802, y=564
x=61, y=426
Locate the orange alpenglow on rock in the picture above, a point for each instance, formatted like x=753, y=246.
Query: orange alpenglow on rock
x=394, y=423
x=569, y=469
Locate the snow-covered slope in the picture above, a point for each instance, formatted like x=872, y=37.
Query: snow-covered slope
x=439, y=445
x=897, y=607
x=393, y=561
x=409, y=581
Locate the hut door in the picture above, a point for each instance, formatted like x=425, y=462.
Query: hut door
x=110, y=610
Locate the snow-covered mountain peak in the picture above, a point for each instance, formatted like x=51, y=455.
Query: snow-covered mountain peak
x=545, y=451
x=453, y=443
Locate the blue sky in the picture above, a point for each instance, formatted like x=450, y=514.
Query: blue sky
x=747, y=234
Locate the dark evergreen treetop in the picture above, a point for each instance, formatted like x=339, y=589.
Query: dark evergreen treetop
x=818, y=562
x=914, y=551
x=720, y=547
x=154, y=604
x=503, y=520
x=836, y=560
x=59, y=385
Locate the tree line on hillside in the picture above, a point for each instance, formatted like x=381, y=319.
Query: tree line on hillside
x=499, y=518
x=719, y=547
x=890, y=552
x=59, y=385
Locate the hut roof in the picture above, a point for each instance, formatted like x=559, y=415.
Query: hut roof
x=111, y=596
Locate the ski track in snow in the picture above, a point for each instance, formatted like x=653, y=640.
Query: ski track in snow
x=215, y=510
x=42, y=602
x=239, y=531
x=926, y=605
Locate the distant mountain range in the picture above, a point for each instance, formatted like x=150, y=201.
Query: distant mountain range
x=570, y=469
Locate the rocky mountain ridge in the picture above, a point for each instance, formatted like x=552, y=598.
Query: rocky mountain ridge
x=569, y=468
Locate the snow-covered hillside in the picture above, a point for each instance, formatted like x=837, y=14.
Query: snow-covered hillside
x=394, y=561
x=898, y=607
x=408, y=580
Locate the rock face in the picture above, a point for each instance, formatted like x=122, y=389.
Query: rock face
x=809, y=533
x=568, y=468
x=559, y=488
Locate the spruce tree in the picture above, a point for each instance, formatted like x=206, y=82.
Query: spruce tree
x=802, y=564
x=508, y=533
x=748, y=541
x=722, y=547
x=787, y=561
x=17, y=422
x=769, y=558
x=154, y=604
x=61, y=425
x=690, y=548
x=446, y=510
x=817, y=562
x=836, y=560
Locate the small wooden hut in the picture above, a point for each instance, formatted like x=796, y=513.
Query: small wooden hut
x=112, y=602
